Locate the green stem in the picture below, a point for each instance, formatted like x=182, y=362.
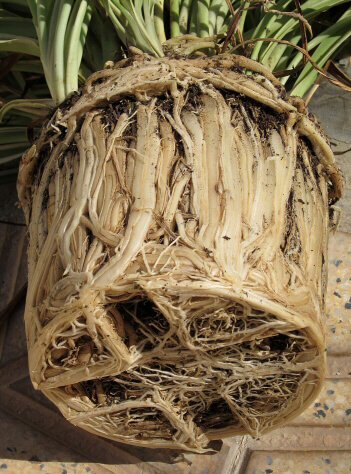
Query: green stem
x=217, y=13
x=203, y=18
x=115, y=14
x=174, y=12
x=43, y=14
x=193, y=18
x=56, y=47
x=75, y=38
x=184, y=16
x=149, y=10
x=243, y=16
x=159, y=22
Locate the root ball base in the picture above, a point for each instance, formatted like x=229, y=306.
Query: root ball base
x=178, y=216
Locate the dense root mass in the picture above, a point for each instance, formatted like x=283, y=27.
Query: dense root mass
x=178, y=214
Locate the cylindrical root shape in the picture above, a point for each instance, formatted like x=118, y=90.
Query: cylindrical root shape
x=178, y=216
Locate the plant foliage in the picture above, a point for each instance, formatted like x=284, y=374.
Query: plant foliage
x=48, y=48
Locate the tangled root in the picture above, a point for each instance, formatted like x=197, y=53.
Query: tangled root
x=178, y=215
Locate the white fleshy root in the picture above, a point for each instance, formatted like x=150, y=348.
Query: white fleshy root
x=178, y=222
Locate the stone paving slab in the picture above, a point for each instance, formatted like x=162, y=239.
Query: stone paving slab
x=314, y=462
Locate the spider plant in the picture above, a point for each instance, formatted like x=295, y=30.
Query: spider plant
x=178, y=202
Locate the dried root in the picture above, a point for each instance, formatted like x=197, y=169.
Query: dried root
x=178, y=221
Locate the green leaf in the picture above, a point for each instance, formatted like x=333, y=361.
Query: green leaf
x=19, y=44
x=62, y=28
x=310, y=10
x=329, y=41
x=203, y=18
x=134, y=22
x=7, y=14
x=17, y=26
x=11, y=135
x=16, y=7
x=76, y=33
x=217, y=13
x=159, y=21
x=175, y=23
x=28, y=65
x=184, y=15
x=34, y=107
